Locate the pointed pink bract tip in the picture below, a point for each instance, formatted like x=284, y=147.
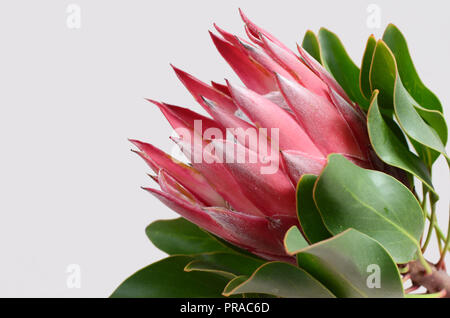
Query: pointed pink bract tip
x=219, y=29
x=234, y=88
x=152, y=191
x=178, y=70
x=134, y=151
x=243, y=16
x=176, y=139
x=136, y=142
x=155, y=102
x=212, y=34
x=208, y=102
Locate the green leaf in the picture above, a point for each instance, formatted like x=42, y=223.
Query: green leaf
x=233, y=248
x=429, y=131
x=294, y=241
x=308, y=215
x=179, y=236
x=278, y=279
x=395, y=129
x=408, y=74
x=234, y=283
x=425, y=102
x=227, y=264
x=311, y=45
x=436, y=120
x=352, y=264
x=364, y=75
x=382, y=77
x=371, y=202
x=341, y=66
x=412, y=123
x=167, y=278
x=390, y=149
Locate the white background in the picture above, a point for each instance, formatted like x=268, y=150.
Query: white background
x=70, y=98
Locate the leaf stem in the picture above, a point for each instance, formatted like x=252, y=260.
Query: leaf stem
x=446, y=245
x=431, y=227
x=439, y=243
x=439, y=232
x=424, y=262
x=423, y=203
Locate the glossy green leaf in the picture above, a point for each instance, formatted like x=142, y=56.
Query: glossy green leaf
x=408, y=74
x=426, y=129
x=427, y=155
x=364, y=75
x=412, y=123
x=308, y=215
x=436, y=120
x=167, y=278
x=393, y=96
x=398, y=132
x=311, y=44
x=382, y=76
x=294, y=240
x=227, y=264
x=234, y=283
x=340, y=65
x=281, y=280
x=371, y=202
x=352, y=264
x=179, y=236
x=390, y=149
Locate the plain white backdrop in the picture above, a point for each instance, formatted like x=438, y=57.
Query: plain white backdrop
x=70, y=98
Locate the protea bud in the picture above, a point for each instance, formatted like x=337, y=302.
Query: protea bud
x=288, y=118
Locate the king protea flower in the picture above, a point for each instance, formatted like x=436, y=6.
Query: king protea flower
x=290, y=94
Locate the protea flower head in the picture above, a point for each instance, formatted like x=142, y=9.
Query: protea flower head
x=288, y=118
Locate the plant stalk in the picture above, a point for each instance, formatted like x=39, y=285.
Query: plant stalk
x=430, y=228
x=435, y=282
x=424, y=262
x=440, y=264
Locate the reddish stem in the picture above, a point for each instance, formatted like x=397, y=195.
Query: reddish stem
x=437, y=281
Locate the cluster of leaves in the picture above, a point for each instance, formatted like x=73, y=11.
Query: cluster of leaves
x=354, y=221
x=202, y=265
